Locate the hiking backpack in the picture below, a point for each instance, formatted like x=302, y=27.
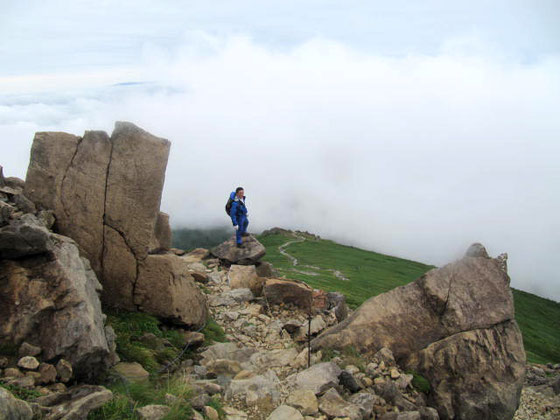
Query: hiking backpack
x=228, y=206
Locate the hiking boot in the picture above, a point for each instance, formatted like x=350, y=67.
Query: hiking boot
x=240, y=246
x=245, y=234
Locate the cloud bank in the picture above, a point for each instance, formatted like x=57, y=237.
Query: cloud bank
x=416, y=156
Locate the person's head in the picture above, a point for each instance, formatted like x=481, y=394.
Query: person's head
x=239, y=192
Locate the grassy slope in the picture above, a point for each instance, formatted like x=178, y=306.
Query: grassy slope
x=372, y=273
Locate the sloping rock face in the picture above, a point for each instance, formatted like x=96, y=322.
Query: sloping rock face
x=456, y=326
x=51, y=300
x=252, y=252
x=105, y=193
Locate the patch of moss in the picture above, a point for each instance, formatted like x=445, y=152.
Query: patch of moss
x=20, y=392
x=419, y=382
x=213, y=333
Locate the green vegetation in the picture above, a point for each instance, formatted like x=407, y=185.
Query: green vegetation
x=189, y=239
x=213, y=333
x=130, y=328
x=371, y=273
x=130, y=396
x=20, y=392
x=419, y=382
x=141, y=338
x=539, y=320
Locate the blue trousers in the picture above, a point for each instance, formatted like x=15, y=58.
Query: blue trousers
x=243, y=223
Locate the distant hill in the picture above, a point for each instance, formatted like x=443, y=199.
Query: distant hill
x=371, y=273
x=188, y=239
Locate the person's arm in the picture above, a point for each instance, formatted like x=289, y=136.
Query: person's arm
x=233, y=213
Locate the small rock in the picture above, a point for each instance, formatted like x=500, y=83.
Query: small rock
x=385, y=355
x=428, y=413
x=348, y=381
x=3, y=362
x=395, y=374
x=27, y=349
x=200, y=401
x=28, y=362
x=64, y=370
x=133, y=372
x=211, y=413
x=305, y=401
x=152, y=412
x=285, y=412
x=333, y=405
x=48, y=373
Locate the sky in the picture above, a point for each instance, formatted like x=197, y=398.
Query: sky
x=408, y=128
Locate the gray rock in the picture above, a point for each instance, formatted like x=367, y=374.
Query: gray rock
x=317, y=378
x=152, y=412
x=285, y=412
x=347, y=380
x=305, y=401
x=27, y=349
x=24, y=237
x=54, y=303
x=252, y=252
x=75, y=403
x=260, y=391
x=411, y=415
x=64, y=370
x=28, y=362
x=200, y=401
x=365, y=401
x=12, y=408
x=428, y=413
x=333, y=405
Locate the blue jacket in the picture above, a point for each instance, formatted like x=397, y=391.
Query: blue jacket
x=238, y=211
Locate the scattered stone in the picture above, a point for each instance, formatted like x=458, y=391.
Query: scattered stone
x=76, y=402
x=200, y=401
x=48, y=373
x=305, y=401
x=348, y=381
x=152, y=412
x=211, y=413
x=12, y=373
x=333, y=405
x=64, y=370
x=27, y=349
x=133, y=371
x=318, y=378
x=28, y=362
x=285, y=412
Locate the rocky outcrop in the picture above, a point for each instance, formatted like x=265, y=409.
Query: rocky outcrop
x=250, y=254
x=245, y=277
x=458, y=318
x=51, y=301
x=105, y=193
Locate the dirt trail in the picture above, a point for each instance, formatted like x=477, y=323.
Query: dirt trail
x=295, y=262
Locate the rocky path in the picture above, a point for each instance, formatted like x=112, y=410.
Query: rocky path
x=295, y=262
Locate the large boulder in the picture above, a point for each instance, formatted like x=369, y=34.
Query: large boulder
x=166, y=289
x=245, y=277
x=282, y=291
x=51, y=300
x=476, y=374
x=105, y=193
x=251, y=253
x=457, y=318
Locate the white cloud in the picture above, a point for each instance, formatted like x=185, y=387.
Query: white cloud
x=416, y=156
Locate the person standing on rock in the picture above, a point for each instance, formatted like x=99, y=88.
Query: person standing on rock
x=238, y=214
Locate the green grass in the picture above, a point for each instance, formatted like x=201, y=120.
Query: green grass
x=213, y=333
x=127, y=397
x=20, y=392
x=372, y=273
